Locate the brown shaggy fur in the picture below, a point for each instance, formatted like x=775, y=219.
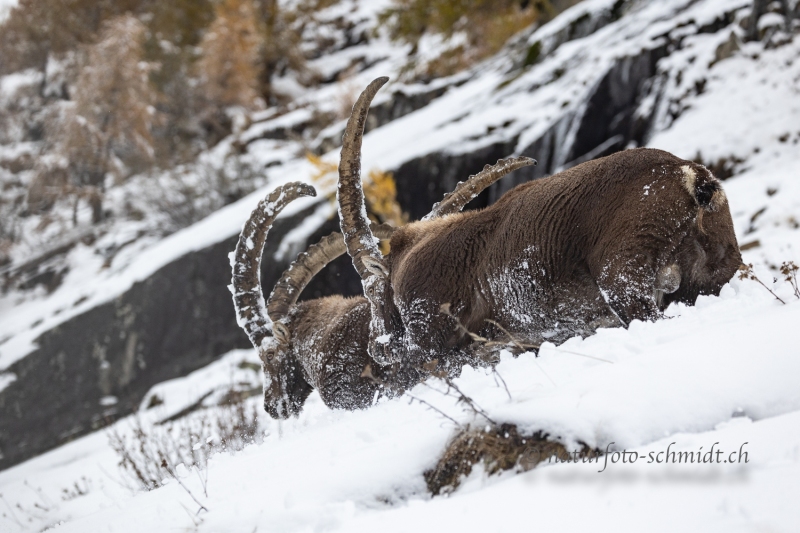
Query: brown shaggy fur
x=322, y=344
x=601, y=244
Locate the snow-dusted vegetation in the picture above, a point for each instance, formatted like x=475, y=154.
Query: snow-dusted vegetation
x=105, y=204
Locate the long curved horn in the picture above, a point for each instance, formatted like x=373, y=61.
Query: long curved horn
x=353, y=214
x=307, y=265
x=251, y=313
x=467, y=190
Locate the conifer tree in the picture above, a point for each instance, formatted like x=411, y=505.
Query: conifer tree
x=35, y=30
x=107, y=127
x=113, y=92
x=230, y=63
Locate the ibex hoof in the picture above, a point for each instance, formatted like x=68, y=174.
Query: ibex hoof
x=376, y=266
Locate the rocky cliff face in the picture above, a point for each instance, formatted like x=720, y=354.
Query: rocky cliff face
x=97, y=366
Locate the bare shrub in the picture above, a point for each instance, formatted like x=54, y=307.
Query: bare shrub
x=789, y=270
x=79, y=488
x=150, y=455
x=187, y=194
x=499, y=448
x=746, y=272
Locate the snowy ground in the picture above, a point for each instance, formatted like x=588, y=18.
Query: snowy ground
x=5, y=7
x=723, y=373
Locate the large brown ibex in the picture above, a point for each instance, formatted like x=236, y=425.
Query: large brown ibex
x=321, y=344
x=603, y=243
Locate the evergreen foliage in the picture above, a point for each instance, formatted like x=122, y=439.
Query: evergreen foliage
x=474, y=29
x=483, y=25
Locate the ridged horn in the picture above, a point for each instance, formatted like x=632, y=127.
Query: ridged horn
x=467, y=190
x=307, y=265
x=248, y=300
x=353, y=213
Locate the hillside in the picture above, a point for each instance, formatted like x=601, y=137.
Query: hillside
x=131, y=333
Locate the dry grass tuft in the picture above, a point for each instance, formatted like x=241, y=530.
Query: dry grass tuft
x=498, y=448
x=747, y=272
x=151, y=454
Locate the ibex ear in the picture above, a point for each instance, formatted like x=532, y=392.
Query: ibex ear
x=375, y=266
x=281, y=333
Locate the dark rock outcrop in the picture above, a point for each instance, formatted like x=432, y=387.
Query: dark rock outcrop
x=606, y=125
x=179, y=319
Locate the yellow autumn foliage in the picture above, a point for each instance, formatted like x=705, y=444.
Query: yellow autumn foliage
x=325, y=174
x=483, y=26
x=380, y=192
x=230, y=61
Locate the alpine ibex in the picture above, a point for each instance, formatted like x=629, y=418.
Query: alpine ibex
x=601, y=244
x=321, y=343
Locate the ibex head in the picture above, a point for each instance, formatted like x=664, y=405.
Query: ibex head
x=285, y=385
x=285, y=389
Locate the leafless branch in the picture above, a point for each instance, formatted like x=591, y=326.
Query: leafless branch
x=367, y=373
x=497, y=376
x=171, y=472
x=746, y=272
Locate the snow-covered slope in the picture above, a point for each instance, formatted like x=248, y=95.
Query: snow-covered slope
x=723, y=373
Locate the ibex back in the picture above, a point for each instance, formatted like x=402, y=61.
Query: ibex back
x=601, y=244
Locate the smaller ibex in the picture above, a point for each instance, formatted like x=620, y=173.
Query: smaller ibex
x=321, y=344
